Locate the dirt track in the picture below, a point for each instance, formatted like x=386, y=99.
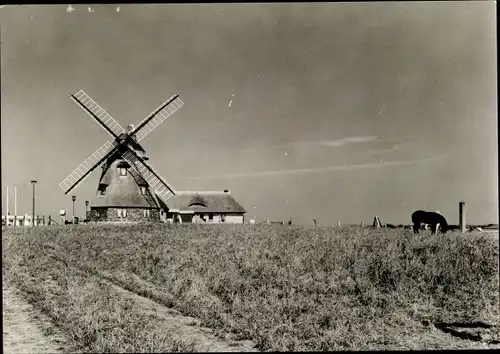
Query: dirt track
x=187, y=328
x=23, y=327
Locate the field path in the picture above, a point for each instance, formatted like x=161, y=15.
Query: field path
x=22, y=327
x=187, y=328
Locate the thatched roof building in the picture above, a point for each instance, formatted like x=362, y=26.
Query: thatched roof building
x=124, y=196
x=209, y=206
x=205, y=201
x=120, y=187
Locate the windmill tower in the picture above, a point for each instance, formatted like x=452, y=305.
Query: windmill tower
x=129, y=188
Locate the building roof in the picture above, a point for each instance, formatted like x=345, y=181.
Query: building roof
x=123, y=191
x=205, y=201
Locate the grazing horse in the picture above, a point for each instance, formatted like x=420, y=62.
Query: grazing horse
x=431, y=218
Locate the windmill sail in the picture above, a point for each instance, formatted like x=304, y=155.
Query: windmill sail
x=98, y=113
x=161, y=187
x=137, y=177
x=156, y=117
x=84, y=169
x=125, y=144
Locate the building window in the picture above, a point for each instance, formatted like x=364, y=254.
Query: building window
x=122, y=213
x=102, y=190
x=197, y=202
x=147, y=213
x=143, y=190
x=123, y=171
x=223, y=217
x=197, y=205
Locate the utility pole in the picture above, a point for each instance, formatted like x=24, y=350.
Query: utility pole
x=33, y=182
x=86, y=209
x=461, y=216
x=15, y=205
x=7, y=208
x=73, y=198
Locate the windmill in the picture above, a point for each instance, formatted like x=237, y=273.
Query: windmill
x=127, y=180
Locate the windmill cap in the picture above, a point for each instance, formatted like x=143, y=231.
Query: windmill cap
x=130, y=127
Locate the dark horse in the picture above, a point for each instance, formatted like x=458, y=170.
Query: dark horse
x=431, y=218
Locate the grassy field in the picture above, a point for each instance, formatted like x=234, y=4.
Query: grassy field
x=283, y=287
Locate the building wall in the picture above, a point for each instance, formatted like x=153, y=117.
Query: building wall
x=216, y=218
x=234, y=219
x=92, y=215
x=133, y=215
x=20, y=220
x=137, y=215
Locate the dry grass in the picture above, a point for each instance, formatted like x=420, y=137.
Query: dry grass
x=285, y=287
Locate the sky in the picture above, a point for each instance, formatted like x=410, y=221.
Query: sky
x=331, y=111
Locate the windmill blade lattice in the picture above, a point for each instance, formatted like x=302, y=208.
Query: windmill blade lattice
x=83, y=170
x=98, y=113
x=156, y=117
x=137, y=177
x=161, y=187
x=125, y=143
